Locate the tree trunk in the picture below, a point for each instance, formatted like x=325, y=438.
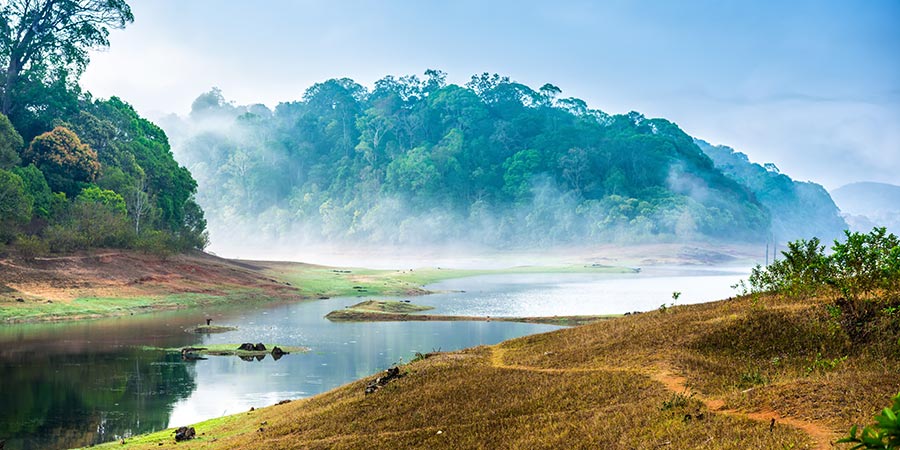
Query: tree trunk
x=12, y=74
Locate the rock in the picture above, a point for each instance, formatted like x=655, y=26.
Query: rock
x=259, y=347
x=185, y=434
x=283, y=402
x=246, y=346
x=20, y=300
x=277, y=351
x=391, y=374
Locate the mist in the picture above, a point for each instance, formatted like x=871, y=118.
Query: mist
x=424, y=166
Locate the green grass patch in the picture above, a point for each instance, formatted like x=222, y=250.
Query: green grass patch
x=389, y=306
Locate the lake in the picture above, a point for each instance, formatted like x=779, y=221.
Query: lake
x=75, y=384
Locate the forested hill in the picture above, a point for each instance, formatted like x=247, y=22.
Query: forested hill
x=797, y=208
x=419, y=160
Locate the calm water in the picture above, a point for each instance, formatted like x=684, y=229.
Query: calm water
x=65, y=385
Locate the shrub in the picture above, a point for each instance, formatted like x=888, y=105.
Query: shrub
x=155, y=242
x=63, y=239
x=884, y=434
x=31, y=246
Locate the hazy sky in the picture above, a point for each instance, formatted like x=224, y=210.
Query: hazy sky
x=812, y=86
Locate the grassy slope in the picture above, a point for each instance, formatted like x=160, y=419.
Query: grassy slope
x=640, y=381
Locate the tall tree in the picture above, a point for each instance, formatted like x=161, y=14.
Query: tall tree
x=53, y=34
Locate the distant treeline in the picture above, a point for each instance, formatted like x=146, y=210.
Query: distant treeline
x=492, y=162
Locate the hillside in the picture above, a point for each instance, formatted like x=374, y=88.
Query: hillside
x=798, y=209
x=751, y=372
x=867, y=204
x=415, y=161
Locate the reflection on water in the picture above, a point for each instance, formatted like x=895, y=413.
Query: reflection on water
x=66, y=385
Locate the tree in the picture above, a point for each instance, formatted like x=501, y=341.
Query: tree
x=54, y=34
x=111, y=200
x=10, y=144
x=138, y=203
x=64, y=160
x=15, y=204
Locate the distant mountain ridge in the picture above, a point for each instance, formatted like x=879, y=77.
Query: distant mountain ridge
x=867, y=204
x=799, y=209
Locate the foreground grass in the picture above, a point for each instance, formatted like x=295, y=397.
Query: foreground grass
x=700, y=376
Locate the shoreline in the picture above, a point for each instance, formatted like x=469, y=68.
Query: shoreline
x=94, y=285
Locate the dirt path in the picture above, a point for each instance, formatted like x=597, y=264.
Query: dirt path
x=821, y=436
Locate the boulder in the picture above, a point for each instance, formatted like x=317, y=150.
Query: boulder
x=185, y=434
x=246, y=346
x=259, y=347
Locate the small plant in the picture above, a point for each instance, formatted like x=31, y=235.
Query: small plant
x=677, y=401
x=741, y=287
x=675, y=296
x=753, y=377
x=883, y=435
x=822, y=365
x=663, y=308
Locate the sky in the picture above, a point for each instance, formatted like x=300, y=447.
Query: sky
x=811, y=86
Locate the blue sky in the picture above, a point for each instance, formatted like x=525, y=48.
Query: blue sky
x=812, y=86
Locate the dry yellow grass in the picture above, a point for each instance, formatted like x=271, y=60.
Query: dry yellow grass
x=710, y=376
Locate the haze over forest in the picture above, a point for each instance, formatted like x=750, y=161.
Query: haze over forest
x=493, y=163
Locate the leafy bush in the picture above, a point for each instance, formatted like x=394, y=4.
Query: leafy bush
x=31, y=246
x=155, y=242
x=883, y=435
x=862, y=274
x=63, y=239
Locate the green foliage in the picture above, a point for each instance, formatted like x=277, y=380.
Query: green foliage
x=49, y=41
x=11, y=144
x=861, y=266
x=884, y=434
x=420, y=160
x=15, y=205
x=31, y=246
x=36, y=186
x=107, y=198
x=66, y=162
x=862, y=274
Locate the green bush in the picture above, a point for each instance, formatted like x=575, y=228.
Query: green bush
x=31, y=246
x=884, y=434
x=156, y=242
x=63, y=239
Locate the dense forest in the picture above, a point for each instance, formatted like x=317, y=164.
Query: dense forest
x=492, y=162
x=78, y=172
x=797, y=208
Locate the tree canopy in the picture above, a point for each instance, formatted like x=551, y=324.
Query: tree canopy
x=494, y=161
